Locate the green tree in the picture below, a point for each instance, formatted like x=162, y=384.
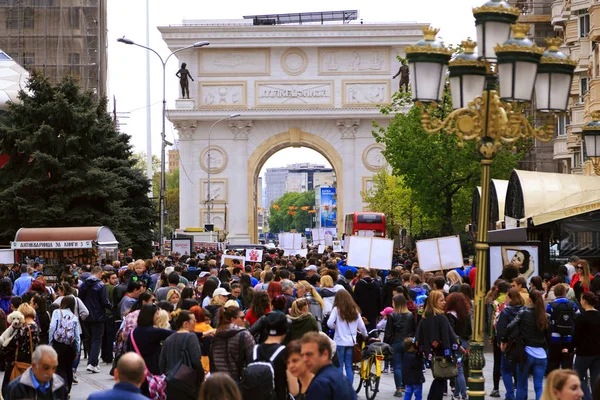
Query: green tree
x=171, y=198
x=69, y=166
x=441, y=172
x=392, y=197
x=140, y=162
x=280, y=220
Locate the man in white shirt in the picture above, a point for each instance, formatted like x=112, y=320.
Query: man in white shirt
x=573, y=260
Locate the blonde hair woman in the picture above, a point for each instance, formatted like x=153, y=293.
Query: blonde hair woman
x=173, y=297
x=562, y=384
x=454, y=280
x=162, y=320
x=301, y=320
x=316, y=304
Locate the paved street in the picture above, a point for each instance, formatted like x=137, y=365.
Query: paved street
x=90, y=383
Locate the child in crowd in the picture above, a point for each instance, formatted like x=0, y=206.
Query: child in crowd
x=140, y=273
x=381, y=326
x=412, y=371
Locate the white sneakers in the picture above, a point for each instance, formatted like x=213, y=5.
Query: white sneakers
x=93, y=369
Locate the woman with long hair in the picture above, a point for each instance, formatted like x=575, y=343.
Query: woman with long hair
x=454, y=281
x=496, y=302
x=345, y=318
x=587, y=326
x=219, y=386
x=536, y=283
x=258, y=308
x=42, y=316
x=247, y=291
x=64, y=289
x=274, y=290
x=316, y=304
x=457, y=311
x=435, y=338
x=563, y=384
x=513, y=305
x=299, y=376
x=582, y=278
x=66, y=347
x=207, y=291
x=400, y=325
x=302, y=321
x=534, y=332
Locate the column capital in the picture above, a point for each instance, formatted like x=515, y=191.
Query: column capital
x=240, y=129
x=185, y=128
x=348, y=127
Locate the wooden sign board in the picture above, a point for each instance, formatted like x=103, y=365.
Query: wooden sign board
x=369, y=252
x=439, y=253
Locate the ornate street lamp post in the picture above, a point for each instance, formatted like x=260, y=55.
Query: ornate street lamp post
x=591, y=135
x=491, y=117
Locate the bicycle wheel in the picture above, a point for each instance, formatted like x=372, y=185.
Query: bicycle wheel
x=372, y=383
x=357, y=382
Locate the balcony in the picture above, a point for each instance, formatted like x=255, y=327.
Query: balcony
x=594, y=96
x=560, y=14
x=560, y=147
x=595, y=22
x=585, y=49
x=572, y=31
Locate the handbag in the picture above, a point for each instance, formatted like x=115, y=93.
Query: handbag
x=356, y=351
x=157, y=384
x=515, y=347
x=182, y=378
x=443, y=368
x=19, y=367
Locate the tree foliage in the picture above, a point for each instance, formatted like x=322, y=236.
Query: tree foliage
x=280, y=219
x=441, y=172
x=69, y=166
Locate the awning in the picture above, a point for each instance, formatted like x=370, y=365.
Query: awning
x=83, y=237
x=497, y=198
x=545, y=197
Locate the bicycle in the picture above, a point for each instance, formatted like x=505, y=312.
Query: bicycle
x=369, y=369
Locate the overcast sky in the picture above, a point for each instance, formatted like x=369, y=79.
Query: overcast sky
x=126, y=64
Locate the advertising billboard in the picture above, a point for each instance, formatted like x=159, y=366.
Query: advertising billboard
x=328, y=204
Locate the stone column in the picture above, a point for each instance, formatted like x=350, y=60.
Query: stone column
x=348, y=128
x=188, y=197
x=239, y=179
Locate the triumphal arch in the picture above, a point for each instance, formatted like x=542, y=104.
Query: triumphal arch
x=315, y=85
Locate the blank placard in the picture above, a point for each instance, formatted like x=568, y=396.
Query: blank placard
x=439, y=253
x=369, y=252
x=358, y=251
x=381, y=253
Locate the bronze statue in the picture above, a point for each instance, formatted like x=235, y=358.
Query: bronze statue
x=404, y=76
x=183, y=75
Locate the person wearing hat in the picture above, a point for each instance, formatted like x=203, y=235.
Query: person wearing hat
x=219, y=298
x=311, y=270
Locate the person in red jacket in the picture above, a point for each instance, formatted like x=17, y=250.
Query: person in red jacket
x=582, y=278
x=472, y=275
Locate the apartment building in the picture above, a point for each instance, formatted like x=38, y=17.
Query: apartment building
x=58, y=37
x=578, y=22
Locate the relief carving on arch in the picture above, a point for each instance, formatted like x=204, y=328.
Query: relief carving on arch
x=348, y=127
x=240, y=129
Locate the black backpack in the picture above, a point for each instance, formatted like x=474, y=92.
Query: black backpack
x=563, y=317
x=258, y=379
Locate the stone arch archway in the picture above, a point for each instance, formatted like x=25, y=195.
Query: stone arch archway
x=294, y=137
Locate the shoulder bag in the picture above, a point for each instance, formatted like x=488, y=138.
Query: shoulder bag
x=443, y=368
x=157, y=384
x=356, y=351
x=182, y=378
x=19, y=367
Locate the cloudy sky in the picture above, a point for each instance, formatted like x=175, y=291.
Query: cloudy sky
x=127, y=71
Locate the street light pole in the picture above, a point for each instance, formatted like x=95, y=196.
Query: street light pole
x=163, y=133
x=208, y=197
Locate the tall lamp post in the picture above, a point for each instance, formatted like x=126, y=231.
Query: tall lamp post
x=208, y=196
x=591, y=136
x=491, y=117
x=163, y=133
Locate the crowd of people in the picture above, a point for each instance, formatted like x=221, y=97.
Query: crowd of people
x=188, y=327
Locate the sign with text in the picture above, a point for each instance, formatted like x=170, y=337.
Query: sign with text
x=439, y=253
x=181, y=246
x=65, y=244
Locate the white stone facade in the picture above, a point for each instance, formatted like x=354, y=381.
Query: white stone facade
x=315, y=86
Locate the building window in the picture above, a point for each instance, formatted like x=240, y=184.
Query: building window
x=561, y=125
x=12, y=19
x=28, y=59
x=577, y=161
x=583, y=88
x=74, y=59
x=584, y=25
x=74, y=19
x=28, y=18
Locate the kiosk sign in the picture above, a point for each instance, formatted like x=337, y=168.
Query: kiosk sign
x=65, y=244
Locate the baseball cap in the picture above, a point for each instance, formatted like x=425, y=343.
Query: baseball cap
x=277, y=323
x=220, y=292
x=204, y=273
x=387, y=311
x=311, y=268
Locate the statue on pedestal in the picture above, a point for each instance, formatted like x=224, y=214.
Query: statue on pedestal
x=404, y=76
x=183, y=74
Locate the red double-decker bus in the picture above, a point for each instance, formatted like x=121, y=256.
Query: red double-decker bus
x=365, y=224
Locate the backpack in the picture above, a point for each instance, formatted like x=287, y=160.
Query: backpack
x=420, y=303
x=65, y=329
x=498, y=308
x=563, y=317
x=258, y=379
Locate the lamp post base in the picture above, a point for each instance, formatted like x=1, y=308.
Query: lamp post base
x=476, y=383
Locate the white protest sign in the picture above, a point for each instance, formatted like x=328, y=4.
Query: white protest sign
x=294, y=252
x=370, y=252
x=439, y=253
x=328, y=239
x=181, y=246
x=337, y=246
x=227, y=260
x=318, y=236
x=253, y=255
x=321, y=249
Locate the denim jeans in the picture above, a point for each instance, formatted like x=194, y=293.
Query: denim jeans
x=460, y=388
x=398, y=358
x=508, y=372
x=538, y=367
x=96, y=331
x=417, y=390
x=345, y=355
x=582, y=365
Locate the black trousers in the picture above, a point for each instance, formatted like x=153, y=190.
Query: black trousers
x=108, y=339
x=557, y=359
x=66, y=355
x=497, y=362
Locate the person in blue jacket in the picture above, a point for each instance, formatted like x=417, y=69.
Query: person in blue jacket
x=328, y=383
x=129, y=375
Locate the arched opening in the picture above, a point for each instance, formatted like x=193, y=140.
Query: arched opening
x=292, y=138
